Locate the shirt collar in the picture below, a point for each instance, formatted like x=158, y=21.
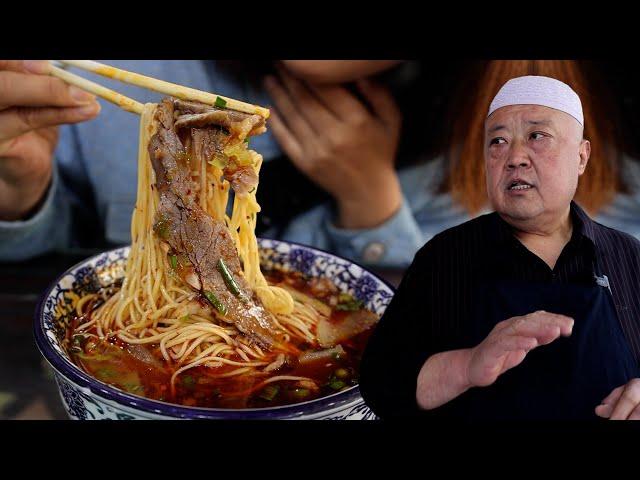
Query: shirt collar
x=583, y=225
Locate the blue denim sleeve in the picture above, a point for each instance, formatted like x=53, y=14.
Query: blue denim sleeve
x=425, y=212
x=48, y=229
x=391, y=244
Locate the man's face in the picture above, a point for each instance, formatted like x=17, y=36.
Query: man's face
x=533, y=158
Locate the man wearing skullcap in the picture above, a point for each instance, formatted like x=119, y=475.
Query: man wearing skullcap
x=523, y=313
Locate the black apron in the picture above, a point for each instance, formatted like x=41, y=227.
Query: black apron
x=567, y=378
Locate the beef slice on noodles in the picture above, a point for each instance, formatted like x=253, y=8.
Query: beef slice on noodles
x=203, y=243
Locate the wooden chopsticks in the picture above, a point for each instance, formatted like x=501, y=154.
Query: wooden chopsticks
x=167, y=88
x=112, y=96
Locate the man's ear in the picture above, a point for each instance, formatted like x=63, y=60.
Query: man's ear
x=585, y=153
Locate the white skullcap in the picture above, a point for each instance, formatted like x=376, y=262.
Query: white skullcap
x=535, y=90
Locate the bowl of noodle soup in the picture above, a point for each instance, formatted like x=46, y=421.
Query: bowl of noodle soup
x=86, y=397
x=198, y=318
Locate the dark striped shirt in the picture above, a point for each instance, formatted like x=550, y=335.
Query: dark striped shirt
x=434, y=304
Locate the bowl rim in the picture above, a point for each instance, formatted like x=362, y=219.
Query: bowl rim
x=75, y=375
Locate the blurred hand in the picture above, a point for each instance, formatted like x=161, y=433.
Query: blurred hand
x=335, y=140
x=32, y=105
x=510, y=341
x=623, y=403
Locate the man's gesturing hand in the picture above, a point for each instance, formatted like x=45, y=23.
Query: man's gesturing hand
x=510, y=341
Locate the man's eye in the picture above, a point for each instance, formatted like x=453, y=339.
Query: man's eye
x=537, y=135
x=497, y=141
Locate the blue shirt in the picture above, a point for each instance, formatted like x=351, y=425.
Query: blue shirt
x=99, y=159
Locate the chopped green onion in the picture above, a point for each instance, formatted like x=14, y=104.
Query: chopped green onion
x=105, y=373
x=246, y=140
x=185, y=318
x=132, y=387
x=215, y=302
x=342, y=373
x=301, y=392
x=346, y=307
x=173, y=259
x=228, y=279
x=351, y=306
x=337, y=384
x=188, y=381
x=221, y=102
x=269, y=392
x=347, y=303
x=344, y=298
x=161, y=227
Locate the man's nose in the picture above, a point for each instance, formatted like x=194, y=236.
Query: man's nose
x=518, y=157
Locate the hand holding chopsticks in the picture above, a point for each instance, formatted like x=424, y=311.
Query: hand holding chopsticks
x=32, y=105
x=167, y=88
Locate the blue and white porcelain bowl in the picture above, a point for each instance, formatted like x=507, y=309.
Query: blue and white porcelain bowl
x=84, y=397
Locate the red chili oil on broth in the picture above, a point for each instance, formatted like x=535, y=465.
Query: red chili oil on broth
x=141, y=369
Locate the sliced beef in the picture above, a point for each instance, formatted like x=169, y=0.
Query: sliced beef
x=197, y=115
x=194, y=234
x=207, y=143
x=242, y=179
